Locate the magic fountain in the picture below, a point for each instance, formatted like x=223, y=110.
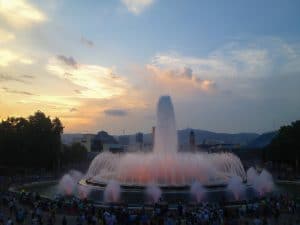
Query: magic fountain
x=165, y=166
x=165, y=173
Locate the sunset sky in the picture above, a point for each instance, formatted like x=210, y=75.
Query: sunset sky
x=229, y=66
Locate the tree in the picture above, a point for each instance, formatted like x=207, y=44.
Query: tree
x=30, y=143
x=285, y=146
x=57, y=129
x=75, y=153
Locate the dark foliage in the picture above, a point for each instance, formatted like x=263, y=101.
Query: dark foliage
x=75, y=153
x=285, y=146
x=34, y=142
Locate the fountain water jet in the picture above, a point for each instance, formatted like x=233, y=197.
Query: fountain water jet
x=66, y=185
x=69, y=182
x=112, y=191
x=264, y=183
x=154, y=193
x=252, y=175
x=165, y=133
x=236, y=187
x=197, y=191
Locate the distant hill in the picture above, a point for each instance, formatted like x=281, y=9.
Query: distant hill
x=183, y=137
x=262, y=140
x=203, y=135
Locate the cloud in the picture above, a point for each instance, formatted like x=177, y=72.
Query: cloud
x=8, y=57
x=115, y=112
x=229, y=61
x=20, y=13
x=89, y=81
x=206, y=66
x=53, y=102
x=12, y=91
x=73, y=110
x=28, y=76
x=255, y=59
x=237, y=68
x=180, y=78
x=85, y=114
x=6, y=36
x=4, y=77
x=86, y=42
x=90, y=112
x=70, y=61
x=25, y=79
x=137, y=6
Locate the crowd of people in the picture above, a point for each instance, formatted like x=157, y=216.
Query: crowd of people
x=30, y=208
x=18, y=208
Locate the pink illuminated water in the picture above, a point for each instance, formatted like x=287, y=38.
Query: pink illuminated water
x=112, y=191
x=262, y=183
x=236, y=187
x=153, y=193
x=197, y=191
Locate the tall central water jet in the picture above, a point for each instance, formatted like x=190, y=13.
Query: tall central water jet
x=165, y=133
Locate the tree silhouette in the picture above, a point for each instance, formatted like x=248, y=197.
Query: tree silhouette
x=31, y=143
x=285, y=146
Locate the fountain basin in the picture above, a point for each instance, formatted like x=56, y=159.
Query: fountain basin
x=136, y=195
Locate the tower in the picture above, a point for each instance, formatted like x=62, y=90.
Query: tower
x=139, y=139
x=153, y=135
x=192, y=141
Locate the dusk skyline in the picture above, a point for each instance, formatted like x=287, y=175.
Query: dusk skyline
x=102, y=65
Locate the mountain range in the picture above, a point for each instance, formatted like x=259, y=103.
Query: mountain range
x=262, y=140
x=245, y=140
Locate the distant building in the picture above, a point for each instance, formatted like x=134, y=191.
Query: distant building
x=114, y=148
x=153, y=135
x=192, y=141
x=139, y=138
x=124, y=140
x=214, y=146
x=212, y=142
x=100, y=139
x=83, y=139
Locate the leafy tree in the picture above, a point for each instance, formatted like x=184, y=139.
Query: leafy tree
x=74, y=154
x=31, y=143
x=285, y=147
